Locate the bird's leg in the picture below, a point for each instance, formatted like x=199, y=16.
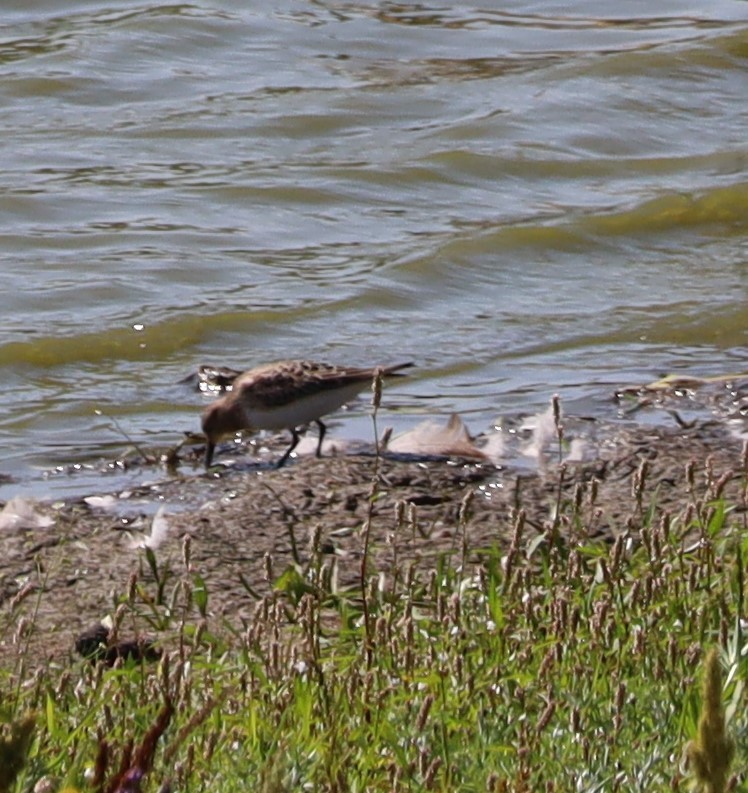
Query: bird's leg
x=210, y=447
x=322, y=431
x=286, y=455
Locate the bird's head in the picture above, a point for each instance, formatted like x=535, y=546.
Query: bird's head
x=223, y=417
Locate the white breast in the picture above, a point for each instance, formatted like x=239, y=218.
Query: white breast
x=303, y=410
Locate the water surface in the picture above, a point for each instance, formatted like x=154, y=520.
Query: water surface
x=522, y=201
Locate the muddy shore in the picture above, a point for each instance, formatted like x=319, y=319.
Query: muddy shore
x=247, y=519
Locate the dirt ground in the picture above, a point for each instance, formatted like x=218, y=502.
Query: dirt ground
x=69, y=573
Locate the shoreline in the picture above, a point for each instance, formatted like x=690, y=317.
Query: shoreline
x=247, y=527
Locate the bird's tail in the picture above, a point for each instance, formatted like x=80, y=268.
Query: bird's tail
x=394, y=371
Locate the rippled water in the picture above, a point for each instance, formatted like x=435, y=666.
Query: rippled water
x=523, y=201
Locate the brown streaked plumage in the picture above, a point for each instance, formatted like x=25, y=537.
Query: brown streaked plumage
x=285, y=395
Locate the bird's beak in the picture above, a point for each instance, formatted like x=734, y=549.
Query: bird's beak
x=210, y=447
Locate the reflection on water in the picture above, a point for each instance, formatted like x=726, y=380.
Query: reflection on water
x=522, y=202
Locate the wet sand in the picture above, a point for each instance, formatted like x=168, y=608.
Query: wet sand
x=245, y=518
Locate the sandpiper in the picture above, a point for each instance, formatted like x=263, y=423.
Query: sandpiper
x=285, y=395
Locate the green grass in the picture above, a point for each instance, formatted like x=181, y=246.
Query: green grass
x=552, y=663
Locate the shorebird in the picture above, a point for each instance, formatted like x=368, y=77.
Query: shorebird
x=285, y=396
